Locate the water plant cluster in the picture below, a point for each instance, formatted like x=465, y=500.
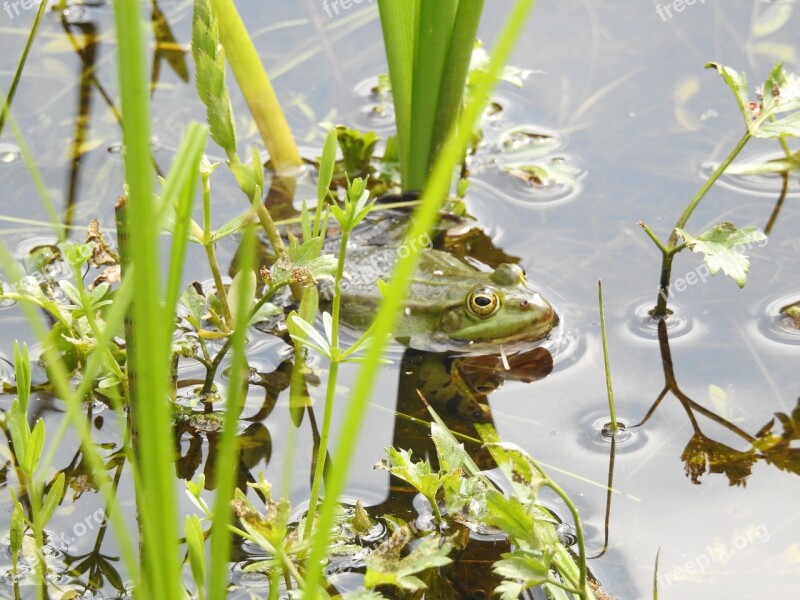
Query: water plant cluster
x=122, y=320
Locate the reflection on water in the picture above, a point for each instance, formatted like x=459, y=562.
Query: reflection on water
x=617, y=92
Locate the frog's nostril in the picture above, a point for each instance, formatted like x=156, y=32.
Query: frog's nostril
x=524, y=304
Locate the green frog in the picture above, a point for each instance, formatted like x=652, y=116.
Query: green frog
x=451, y=305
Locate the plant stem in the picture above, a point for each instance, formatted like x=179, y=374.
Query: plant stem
x=611, y=406
x=256, y=87
x=687, y=212
x=8, y=100
x=578, y=532
x=221, y=293
x=671, y=248
x=330, y=390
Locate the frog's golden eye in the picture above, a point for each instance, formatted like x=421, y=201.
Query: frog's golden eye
x=483, y=302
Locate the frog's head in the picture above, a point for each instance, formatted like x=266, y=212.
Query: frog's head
x=504, y=310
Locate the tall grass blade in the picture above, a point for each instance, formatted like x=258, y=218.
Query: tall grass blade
x=226, y=467
x=12, y=91
x=424, y=218
x=152, y=415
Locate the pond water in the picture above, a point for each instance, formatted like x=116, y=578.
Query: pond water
x=621, y=90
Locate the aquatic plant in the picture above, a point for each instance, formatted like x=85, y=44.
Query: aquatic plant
x=428, y=49
x=765, y=118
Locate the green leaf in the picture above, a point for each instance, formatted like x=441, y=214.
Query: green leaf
x=52, y=500
x=195, y=303
x=243, y=289
x=737, y=82
x=385, y=567
x=525, y=567
x=71, y=292
x=778, y=165
x=452, y=455
x=304, y=256
x=304, y=332
x=230, y=227
x=17, y=529
x=22, y=374
x=509, y=515
x=195, y=549
x=78, y=254
x=788, y=126
x=720, y=246
x=33, y=449
x=417, y=474
x=327, y=163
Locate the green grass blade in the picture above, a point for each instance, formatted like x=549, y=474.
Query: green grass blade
x=424, y=218
x=9, y=100
x=226, y=467
x=432, y=44
x=398, y=22
x=180, y=188
x=161, y=576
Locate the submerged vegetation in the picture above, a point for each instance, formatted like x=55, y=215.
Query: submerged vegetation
x=121, y=321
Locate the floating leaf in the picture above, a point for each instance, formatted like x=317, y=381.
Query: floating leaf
x=720, y=245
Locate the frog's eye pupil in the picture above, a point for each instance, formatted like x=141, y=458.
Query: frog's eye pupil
x=483, y=302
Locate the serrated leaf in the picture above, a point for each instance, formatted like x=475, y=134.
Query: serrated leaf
x=509, y=515
x=737, y=82
x=720, y=247
x=78, y=254
x=510, y=590
x=417, y=474
x=452, y=455
x=524, y=567
x=385, y=567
